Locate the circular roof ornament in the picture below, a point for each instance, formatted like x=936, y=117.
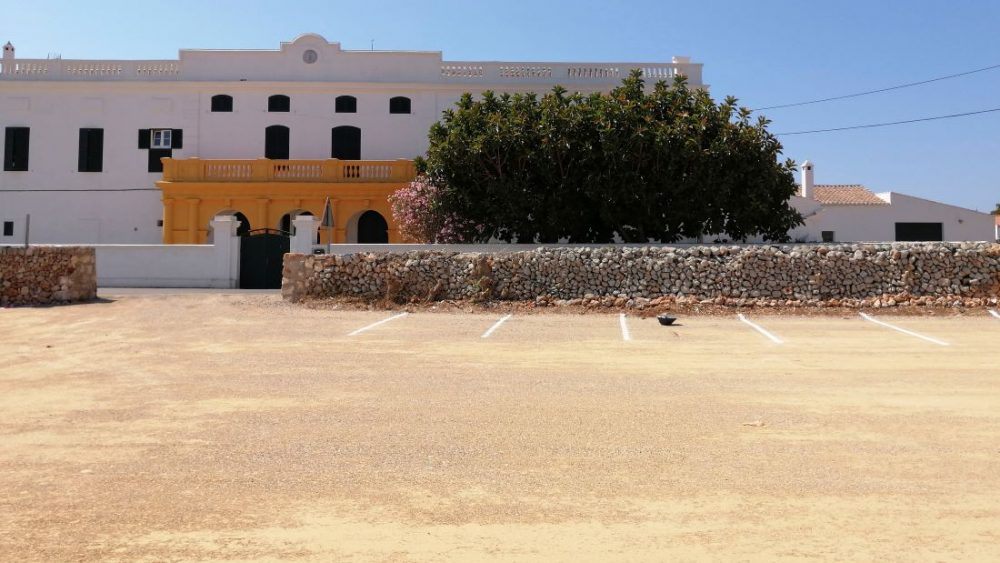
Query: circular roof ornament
x=309, y=56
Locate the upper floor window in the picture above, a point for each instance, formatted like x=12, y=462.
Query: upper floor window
x=346, y=104
x=399, y=104
x=345, y=143
x=91, y=154
x=15, y=149
x=276, y=139
x=222, y=103
x=279, y=102
x=160, y=143
x=160, y=138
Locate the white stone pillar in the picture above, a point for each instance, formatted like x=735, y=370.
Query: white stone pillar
x=227, y=252
x=305, y=234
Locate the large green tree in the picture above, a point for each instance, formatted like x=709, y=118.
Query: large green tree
x=660, y=165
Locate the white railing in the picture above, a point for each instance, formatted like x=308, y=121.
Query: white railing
x=92, y=69
x=462, y=72
x=568, y=73
x=59, y=69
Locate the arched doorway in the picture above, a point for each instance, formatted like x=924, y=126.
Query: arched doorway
x=372, y=228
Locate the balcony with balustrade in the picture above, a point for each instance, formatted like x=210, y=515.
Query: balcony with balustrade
x=266, y=193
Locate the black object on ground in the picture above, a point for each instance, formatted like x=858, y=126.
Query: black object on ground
x=666, y=320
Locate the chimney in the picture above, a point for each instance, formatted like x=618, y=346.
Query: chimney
x=8, y=58
x=807, y=180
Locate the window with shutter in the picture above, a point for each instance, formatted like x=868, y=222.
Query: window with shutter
x=279, y=102
x=91, y=153
x=345, y=143
x=346, y=104
x=399, y=104
x=276, y=142
x=222, y=103
x=15, y=149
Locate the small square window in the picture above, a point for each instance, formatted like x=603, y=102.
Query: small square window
x=160, y=138
x=159, y=222
x=828, y=236
x=8, y=228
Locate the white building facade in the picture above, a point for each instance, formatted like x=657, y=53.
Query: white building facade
x=83, y=138
x=853, y=213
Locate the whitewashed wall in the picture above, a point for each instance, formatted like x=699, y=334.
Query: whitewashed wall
x=858, y=223
x=83, y=217
x=215, y=265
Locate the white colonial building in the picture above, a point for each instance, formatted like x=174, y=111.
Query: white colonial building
x=126, y=152
x=83, y=139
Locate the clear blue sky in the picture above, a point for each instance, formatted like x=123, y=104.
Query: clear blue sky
x=764, y=52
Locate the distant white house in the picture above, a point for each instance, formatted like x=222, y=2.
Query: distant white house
x=853, y=213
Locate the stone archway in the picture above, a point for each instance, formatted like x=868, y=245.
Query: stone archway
x=372, y=228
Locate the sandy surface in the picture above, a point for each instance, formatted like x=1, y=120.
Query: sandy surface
x=236, y=427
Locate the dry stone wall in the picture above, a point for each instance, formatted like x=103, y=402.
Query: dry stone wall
x=41, y=275
x=778, y=275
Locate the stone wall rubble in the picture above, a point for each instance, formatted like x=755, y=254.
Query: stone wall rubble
x=886, y=274
x=42, y=275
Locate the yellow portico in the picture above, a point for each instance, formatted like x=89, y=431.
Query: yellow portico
x=268, y=194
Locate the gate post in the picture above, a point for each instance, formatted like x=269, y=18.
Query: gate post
x=227, y=251
x=305, y=234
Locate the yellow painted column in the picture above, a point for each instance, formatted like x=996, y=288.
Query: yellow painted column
x=263, y=221
x=168, y=221
x=193, y=220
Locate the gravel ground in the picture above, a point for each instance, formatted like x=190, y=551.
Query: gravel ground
x=219, y=427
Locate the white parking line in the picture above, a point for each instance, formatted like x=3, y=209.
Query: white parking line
x=626, y=335
x=903, y=330
x=504, y=319
x=373, y=325
x=994, y=313
x=760, y=329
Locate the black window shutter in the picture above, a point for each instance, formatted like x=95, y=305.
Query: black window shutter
x=177, y=139
x=21, y=148
x=399, y=104
x=15, y=152
x=91, y=154
x=345, y=143
x=96, y=150
x=81, y=162
x=222, y=102
x=276, y=142
x=155, y=165
x=144, y=138
x=279, y=102
x=8, y=149
x=346, y=104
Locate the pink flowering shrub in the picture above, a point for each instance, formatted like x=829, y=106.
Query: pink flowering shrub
x=419, y=213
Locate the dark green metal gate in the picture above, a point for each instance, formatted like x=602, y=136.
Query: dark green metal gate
x=261, y=255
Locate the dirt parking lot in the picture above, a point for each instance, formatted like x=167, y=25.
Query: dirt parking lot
x=217, y=427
